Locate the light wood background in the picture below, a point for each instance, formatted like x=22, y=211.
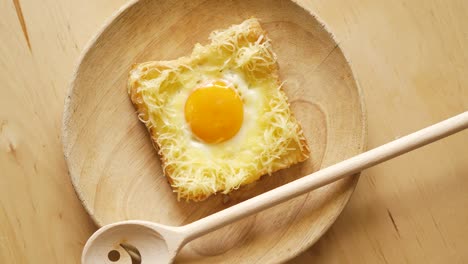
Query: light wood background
x=410, y=58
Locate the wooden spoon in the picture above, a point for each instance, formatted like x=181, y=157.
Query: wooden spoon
x=158, y=243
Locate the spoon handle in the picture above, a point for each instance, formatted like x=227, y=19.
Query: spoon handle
x=327, y=175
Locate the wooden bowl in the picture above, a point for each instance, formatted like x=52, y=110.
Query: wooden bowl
x=116, y=171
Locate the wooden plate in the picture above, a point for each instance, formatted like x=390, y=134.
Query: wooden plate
x=116, y=171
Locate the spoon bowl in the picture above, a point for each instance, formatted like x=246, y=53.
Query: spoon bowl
x=117, y=243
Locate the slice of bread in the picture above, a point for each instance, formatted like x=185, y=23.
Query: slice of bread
x=274, y=141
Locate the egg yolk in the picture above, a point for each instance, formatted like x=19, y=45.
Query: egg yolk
x=214, y=113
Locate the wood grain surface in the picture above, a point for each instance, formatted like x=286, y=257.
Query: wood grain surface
x=409, y=57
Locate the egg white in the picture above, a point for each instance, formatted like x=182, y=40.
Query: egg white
x=252, y=99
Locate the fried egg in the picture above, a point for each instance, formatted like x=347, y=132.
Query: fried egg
x=219, y=113
x=218, y=117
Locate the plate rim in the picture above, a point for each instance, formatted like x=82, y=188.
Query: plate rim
x=120, y=11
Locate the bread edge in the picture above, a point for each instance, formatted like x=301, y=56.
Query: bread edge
x=143, y=110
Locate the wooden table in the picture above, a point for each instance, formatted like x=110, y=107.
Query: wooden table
x=410, y=58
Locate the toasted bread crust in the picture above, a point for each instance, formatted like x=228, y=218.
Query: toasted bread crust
x=143, y=113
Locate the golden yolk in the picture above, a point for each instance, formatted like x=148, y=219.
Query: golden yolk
x=214, y=113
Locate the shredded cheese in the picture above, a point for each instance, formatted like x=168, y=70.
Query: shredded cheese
x=242, y=48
